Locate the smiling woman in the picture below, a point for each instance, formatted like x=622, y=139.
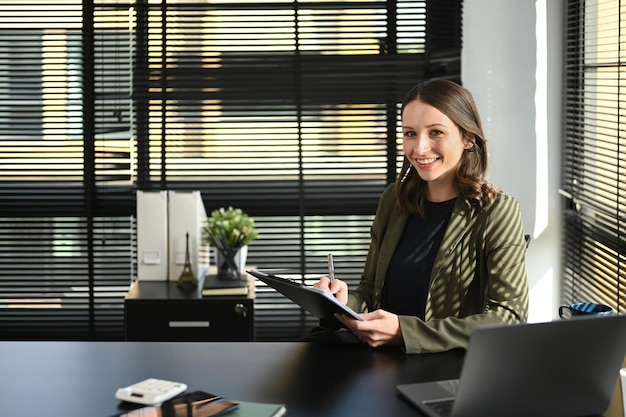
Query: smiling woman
x=444, y=117
x=433, y=144
x=447, y=251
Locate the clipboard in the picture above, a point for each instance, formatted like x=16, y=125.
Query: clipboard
x=319, y=303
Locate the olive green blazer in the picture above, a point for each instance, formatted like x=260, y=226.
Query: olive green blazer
x=479, y=274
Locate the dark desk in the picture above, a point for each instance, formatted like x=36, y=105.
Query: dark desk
x=79, y=379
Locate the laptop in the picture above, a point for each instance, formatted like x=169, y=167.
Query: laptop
x=561, y=368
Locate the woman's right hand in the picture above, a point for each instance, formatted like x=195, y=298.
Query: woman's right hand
x=337, y=287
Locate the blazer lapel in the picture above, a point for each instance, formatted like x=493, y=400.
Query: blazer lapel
x=460, y=223
x=393, y=233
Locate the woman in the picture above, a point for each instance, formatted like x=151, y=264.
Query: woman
x=447, y=251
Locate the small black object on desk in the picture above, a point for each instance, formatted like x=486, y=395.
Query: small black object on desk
x=187, y=280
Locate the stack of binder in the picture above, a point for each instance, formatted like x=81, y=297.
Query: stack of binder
x=163, y=220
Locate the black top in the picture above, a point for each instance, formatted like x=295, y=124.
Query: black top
x=408, y=276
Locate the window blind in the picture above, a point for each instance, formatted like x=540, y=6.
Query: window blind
x=593, y=180
x=65, y=169
x=288, y=110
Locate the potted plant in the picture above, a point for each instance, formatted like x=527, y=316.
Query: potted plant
x=230, y=231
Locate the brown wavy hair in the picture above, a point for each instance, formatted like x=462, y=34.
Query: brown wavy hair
x=457, y=103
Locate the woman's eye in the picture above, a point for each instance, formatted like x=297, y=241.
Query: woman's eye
x=409, y=134
x=436, y=133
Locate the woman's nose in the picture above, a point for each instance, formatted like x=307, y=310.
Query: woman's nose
x=421, y=145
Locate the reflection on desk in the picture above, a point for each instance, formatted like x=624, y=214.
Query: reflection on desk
x=78, y=379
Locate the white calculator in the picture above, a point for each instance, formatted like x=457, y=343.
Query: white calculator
x=150, y=391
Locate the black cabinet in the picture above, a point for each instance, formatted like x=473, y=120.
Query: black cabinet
x=160, y=311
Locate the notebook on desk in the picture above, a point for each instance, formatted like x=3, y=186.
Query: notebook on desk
x=562, y=368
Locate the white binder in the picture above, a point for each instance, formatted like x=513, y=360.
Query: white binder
x=187, y=215
x=152, y=236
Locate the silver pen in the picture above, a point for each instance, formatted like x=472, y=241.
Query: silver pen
x=331, y=268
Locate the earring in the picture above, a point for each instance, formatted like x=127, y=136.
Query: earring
x=406, y=174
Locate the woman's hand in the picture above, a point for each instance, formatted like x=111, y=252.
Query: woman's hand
x=378, y=328
x=337, y=287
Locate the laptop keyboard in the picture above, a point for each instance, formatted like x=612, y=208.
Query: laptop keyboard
x=441, y=407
